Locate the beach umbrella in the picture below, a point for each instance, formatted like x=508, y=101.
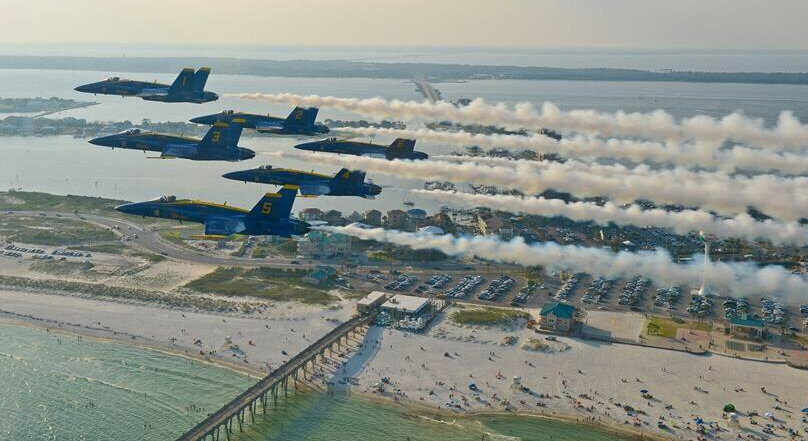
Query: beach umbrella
x=805, y=410
x=644, y=391
x=768, y=415
x=729, y=407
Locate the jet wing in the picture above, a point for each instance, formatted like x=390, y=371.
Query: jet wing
x=179, y=151
x=223, y=226
x=314, y=189
x=152, y=92
x=269, y=126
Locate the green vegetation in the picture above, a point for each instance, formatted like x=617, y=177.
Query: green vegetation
x=53, y=231
x=108, y=248
x=61, y=267
x=141, y=295
x=534, y=344
x=37, y=201
x=267, y=283
x=31, y=105
x=666, y=327
x=486, y=316
x=151, y=257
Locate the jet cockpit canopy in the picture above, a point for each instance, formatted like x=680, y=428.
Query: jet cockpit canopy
x=167, y=199
x=132, y=131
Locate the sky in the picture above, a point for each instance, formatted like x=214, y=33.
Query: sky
x=707, y=24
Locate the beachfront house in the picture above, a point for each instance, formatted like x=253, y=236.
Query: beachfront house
x=557, y=317
x=747, y=328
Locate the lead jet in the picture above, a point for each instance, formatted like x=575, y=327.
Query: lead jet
x=400, y=148
x=219, y=144
x=187, y=88
x=344, y=183
x=299, y=122
x=269, y=217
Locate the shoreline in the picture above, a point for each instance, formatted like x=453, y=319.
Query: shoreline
x=94, y=334
x=414, y=408
x=405, y=405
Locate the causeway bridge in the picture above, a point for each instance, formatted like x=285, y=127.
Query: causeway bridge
x=247, y=403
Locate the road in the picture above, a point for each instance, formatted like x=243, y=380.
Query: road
x=427, y=90
x=150, y=239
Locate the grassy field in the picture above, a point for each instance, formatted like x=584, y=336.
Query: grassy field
x=107, y=248
x=36, y=201
x=666, y=327
x=267, y=283
x=52, y=231
x=485, y=316
x=61, y=268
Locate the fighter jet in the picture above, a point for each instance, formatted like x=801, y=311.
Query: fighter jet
x=400, y=148
x=219, y=144
x=187, y=88
x=344, y=183
x=270, y=217
x=299, y=122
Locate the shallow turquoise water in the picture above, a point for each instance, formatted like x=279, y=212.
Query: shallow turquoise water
x=57, y=387
x=89, y=390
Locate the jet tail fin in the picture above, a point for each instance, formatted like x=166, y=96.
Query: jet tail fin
x=200, y=78
x=276, y=205
x=302, y=116
x=401, y=148
x=183, y=82
x=348, y=177
x=223, y=134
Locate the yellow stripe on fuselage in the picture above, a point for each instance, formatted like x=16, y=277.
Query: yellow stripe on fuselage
x=207, y=204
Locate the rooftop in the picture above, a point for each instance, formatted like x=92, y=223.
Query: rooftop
x=558, y=309
x=747, y=322
x=406, y=304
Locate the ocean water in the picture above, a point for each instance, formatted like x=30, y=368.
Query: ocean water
x=90, y=390
x=56, y=387
x=315, y=417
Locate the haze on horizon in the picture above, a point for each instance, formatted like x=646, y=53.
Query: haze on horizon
x=649, y=24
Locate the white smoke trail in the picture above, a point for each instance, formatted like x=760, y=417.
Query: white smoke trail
x=698, y=155
x=683, y=222
x=789, y=133
x=782, y=198
x=737, y=278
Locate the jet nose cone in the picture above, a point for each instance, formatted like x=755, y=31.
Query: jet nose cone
x=127, y=208
x=200, y=120
x=306, y=146
x=102, y=140
x=235, y=176
x=82, y=88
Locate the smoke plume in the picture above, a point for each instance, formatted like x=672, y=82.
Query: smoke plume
x=682, y=222
x=788, y=133
x=737, y=278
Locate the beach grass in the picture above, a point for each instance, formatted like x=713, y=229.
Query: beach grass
x=53, y=231
x=35, y=201
x=486, y=316
x=267, y=283
x=667, y=327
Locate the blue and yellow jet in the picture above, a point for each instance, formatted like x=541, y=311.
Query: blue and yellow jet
x=219, y=144
x=400, y=148
x=344, y=183
x=300, y=122
x=270, y=217
x=187, y=88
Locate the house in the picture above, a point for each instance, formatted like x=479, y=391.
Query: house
x=397, y=219
x=489, y=223
x=557, y=316
x=311, y=214
x=371, y=301
x=416, y=214
x=747, y=328
x=355, y=217
x=400, y=306
x=319, y=244
x=333, y=217
x=320, y=275
x=373, y=217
